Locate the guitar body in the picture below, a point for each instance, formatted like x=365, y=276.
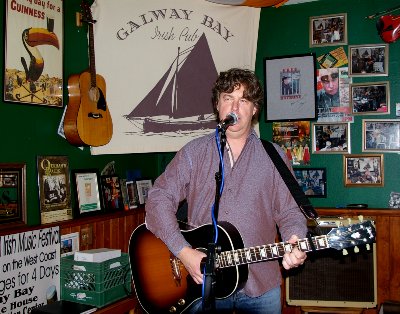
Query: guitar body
x=94, y=121
x=71, y=114
x=162, y=282
x=388, y=27
x=163, y=285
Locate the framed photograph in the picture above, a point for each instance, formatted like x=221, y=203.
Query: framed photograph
x=328, y=30
x=111, y=193
x=34, y=53
x=394, y=200
x=381, y=135
x=132, y=193
x=369, y=60
x=87, y=188
x=363, y=170
x=143, y=187
x=294, y=138
x=12, y=194
x=54, y=188
x=331, y=138
x=290, y=87
x=312, y=181
x=69, y=243
x=370, y=98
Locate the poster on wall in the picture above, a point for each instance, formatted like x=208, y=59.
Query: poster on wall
x=30, y=265
x=54, y=188
x=166, y=56
x=34, y=52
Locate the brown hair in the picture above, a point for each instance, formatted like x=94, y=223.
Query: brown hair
x=229, y=80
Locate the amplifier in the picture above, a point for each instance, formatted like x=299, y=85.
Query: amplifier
x=330, y=278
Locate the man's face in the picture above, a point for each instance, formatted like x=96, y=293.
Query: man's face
x=235, y=102
x=330, y=83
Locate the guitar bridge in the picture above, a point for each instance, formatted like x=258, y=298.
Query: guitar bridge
x=176, y=270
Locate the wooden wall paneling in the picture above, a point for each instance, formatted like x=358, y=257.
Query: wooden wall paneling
x=100, y=234
x=383, y=257
x=107, y=232
x=394, y=257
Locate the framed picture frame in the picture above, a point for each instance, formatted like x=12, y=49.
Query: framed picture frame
x=290, y=87
x=12, y=194
x=295, y=140
x=328, y=30
x=54, y=188
x=312, y=181
x=363, y=170
x=381, y=135
x=132, y=193
x=331, y=138
x=370, y=98
x=87, y=191
x=143, y=187
x=33, y=71
x=368, y=60
x=111, y=193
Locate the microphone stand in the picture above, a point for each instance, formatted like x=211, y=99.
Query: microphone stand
x=213, y=249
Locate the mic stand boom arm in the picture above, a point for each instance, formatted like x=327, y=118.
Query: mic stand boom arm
x=213, y=249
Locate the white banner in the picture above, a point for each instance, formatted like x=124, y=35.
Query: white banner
x=30, y=266
x=160, y=59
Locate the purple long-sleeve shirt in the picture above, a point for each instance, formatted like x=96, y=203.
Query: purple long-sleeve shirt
x=255, y=200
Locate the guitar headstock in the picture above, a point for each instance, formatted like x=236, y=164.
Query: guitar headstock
x=351, y=235
x=87, y=13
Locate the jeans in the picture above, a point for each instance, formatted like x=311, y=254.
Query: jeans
x=239, y=303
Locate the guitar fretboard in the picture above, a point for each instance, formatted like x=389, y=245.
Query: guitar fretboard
x=269, y=251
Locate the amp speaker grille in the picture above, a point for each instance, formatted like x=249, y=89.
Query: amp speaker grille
x=329, y=278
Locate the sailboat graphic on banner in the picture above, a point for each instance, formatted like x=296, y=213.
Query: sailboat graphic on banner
x=181, y=100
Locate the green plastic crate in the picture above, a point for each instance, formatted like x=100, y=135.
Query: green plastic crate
x=96, y=284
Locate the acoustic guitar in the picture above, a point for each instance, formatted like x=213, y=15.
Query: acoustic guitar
x=87, y=118
x=163, y=285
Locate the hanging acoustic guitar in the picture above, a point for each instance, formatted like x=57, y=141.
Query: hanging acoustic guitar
x=87, y=118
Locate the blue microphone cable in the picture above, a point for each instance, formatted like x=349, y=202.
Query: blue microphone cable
x=214, y=222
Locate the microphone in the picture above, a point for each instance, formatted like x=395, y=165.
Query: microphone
x=230, y=119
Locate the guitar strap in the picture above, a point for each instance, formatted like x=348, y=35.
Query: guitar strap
x=301, y=199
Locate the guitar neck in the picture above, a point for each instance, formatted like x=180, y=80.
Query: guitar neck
x=92, y=61
x=269, y=251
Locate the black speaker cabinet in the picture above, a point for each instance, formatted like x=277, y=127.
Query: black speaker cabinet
x=330, y=278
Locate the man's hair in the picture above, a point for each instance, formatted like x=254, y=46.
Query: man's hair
x=234, y=78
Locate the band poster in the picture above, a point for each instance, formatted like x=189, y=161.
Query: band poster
x=30, y=265
x=54, y=188
x=34, y=52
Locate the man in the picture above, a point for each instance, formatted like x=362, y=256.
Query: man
x=328, y=96
x=255, y=199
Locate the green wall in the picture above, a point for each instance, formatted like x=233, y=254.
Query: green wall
x=285, y=31
x=29, y=130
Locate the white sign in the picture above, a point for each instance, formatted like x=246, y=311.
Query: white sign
x=30, y=266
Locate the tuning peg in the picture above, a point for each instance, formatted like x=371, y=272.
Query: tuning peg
x=368, y=246
x=361, y=218
x=356, y=249
x=345, y=252
x=78, y=19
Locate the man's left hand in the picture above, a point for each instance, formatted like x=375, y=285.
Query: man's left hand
x=295, y=257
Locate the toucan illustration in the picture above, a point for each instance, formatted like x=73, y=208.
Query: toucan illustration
x=32, y=37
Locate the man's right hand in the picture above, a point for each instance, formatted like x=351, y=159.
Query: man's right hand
x=191, y=259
